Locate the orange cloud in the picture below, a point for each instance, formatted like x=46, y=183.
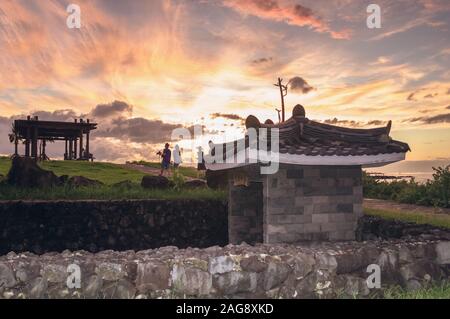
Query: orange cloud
x=297, y=15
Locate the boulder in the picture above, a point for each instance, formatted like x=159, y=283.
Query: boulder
x=81, y=181
x=216, y=179
x=25, y=172
x=152, y=181
x=195, y=183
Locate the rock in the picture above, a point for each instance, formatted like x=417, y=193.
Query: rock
x=7, y=278
x=93, y=287
x=25, y=172
x=352, y=286
x=221, y=264
x=420, y=270
x=81, y=181
x=191, y=281
x=318, y=283
x=127, y=184
x=235, y=282
x=37, y=288
x=63, y=179
x=253, y=264
x=443, y=253
x=275, y=274
x=151, y=181
x=216, y=179
x=152, y=275
x=326, y=262
x=123, y=289
x=404, y=255
x=54, y=273
x=413, y=285
x=195, y=183
x=110, y=271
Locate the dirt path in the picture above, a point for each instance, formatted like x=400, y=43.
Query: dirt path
x=149, y=170
x=394, y=206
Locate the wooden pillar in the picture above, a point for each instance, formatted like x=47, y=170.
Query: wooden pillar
x=66, y=155
x=87, y=146
x=70, y=149
x=43, y=155
x=16, y=145
x=34, y=144
x=27, y=140
x=81, y=145
x=75, y=142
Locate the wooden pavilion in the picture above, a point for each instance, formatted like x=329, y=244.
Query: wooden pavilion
x=75, y=134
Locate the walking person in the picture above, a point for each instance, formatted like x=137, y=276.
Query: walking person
x=177, y=157
x=165, y=162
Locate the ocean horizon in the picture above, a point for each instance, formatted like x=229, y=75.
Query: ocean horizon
x=420, y=170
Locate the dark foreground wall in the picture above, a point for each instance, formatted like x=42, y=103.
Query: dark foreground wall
x=42, y=226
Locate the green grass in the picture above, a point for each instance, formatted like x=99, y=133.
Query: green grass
x=439, y=291
x=107, y=173
x=5, y=164
x=184, y=170
x=106, y=193
x=440, y=220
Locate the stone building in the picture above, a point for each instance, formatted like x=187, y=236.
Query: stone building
x=316, y=193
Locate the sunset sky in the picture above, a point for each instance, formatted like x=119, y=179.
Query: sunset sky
x=141, y=68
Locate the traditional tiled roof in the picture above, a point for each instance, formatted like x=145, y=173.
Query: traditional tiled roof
x=301, y=136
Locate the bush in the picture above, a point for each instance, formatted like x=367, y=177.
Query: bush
x=435, y=192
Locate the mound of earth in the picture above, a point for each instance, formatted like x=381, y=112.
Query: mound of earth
x=151, y=181
x=26, y=173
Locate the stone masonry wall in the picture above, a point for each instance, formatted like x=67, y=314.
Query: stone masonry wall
x=312, y=203
x=328, y=270
x=43, y=226
x=245, y=213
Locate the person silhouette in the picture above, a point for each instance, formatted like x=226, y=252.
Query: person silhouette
x=165, y=156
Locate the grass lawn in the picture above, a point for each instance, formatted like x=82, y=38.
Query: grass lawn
x=184, y=170
x=106, y=193
x=440, y=220
x=107, y=173
x=439, y=291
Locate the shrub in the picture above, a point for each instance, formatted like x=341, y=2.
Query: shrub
x=435, y=192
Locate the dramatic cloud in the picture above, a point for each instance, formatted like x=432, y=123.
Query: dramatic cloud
x=139, y=130
x=352, y=123
x=298, y=84
x=448, y=107
x=114, y=138
x=297, y=15
x=440, y=118
x=262, y=61
x=233, y=117
x=112, y=109
x=411, y=97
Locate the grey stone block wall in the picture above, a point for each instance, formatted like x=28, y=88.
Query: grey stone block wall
x=304, y=203
x=245, y=213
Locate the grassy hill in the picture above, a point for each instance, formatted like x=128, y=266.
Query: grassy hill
x=109, y=174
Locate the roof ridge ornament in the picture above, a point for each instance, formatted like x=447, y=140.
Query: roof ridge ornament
x=252, y=122
x=298, y=110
